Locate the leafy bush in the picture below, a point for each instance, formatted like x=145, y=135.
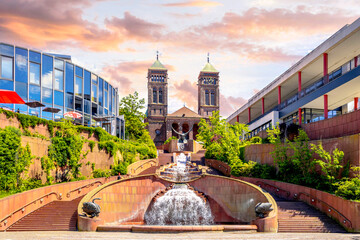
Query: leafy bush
x=98, y=173
x=169, y=139
x=14, y=159
x=349, y=189
x=91, y=145
x=120, y=168
x=221, y=140
x=256, y=140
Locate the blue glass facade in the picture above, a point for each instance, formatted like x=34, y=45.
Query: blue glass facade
x=56, y=82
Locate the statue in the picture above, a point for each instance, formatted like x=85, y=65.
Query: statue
x=182, y=139
x=182, y=136
x=91, y=208
x=262, y=209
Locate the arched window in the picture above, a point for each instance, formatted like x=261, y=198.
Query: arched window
x=212, y=98
x=207, y=100
x=154, y=95
x=160, y=95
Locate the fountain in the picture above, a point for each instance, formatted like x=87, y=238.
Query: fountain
x=179, y=206
x=180, y=198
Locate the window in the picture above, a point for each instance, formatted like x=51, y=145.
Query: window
x=47, y=95
x=35, y=73
x=47, y=71
x=207, y=102
x=69, y=83
x=7, y=67
x=106, y=99
x=87, y=106
x=94, y=88
x=21, y=65
x=110, y=99
x=59, y=64
x=21, y=89
x=34, y=92
x=79, y=71
x=160, y=96
x=69, y=101
x=78, y=104
x=7, y=85
x=59, y=98
x=154, y=111
x=6, y=50
x=154, y=96
x=101, y=89
x=94, y=108
x=59, y=80
x=213, y=98
x=35, y=57
x=87, y=85
x=78, y=86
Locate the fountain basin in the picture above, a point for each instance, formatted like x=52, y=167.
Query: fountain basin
x=176, y=229
x=126, y=201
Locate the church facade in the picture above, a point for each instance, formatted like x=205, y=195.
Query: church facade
x=161, y=124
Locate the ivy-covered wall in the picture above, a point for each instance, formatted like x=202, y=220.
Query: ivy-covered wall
x=61, y=151
x=97, y=159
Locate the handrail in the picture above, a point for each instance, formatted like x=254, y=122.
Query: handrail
x=346, y=220
x=277, y=188
x=84, y=186
x=147, y=161
x=297, y=196
x=58, y=196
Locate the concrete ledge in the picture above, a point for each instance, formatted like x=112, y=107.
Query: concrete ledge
x=176, y=229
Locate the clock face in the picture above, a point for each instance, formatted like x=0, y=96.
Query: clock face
x=157, y=131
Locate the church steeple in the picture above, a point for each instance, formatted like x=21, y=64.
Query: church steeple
x=208, y=89
x=157, y=89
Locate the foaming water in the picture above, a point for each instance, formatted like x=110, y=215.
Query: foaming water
x=179, y=206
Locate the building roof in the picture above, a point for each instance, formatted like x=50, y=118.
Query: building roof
x=209, y=68
x=185, y=112
x=158, y=65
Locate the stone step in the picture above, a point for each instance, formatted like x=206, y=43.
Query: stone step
x=55, y=216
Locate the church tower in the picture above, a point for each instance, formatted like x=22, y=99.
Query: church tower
x=157, y=89
x=208, y=90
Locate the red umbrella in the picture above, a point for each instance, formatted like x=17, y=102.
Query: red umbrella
x=7, y=96
x=73, y=115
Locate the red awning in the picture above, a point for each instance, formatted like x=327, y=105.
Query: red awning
x=7, y=96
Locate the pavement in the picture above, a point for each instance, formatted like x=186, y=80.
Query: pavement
x=184, y=236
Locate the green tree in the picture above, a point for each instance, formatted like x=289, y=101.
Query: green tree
x=130, y=107
x=222, y=140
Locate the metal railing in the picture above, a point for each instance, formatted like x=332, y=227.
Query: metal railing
x=84, y=186
x=313, y=199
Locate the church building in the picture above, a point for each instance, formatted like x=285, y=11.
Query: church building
x=162, y=125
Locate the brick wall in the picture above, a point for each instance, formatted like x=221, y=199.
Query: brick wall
x=342, y=125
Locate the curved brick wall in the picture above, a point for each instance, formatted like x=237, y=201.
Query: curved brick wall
x=237, y=198
x=126, y=201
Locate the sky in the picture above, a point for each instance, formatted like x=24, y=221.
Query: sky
x=250, y=42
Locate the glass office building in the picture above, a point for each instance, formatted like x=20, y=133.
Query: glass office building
x=56, y=82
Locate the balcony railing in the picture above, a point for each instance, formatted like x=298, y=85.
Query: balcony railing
x=318, y=84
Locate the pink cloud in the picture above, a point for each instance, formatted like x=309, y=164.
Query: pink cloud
x=193, y=3
x=134, y=27
x=187, y=92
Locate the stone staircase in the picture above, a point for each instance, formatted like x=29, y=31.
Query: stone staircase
x=54, y=216
x=300, y=217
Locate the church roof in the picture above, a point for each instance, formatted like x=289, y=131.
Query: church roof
x=209, y=68
x=184, y=112
x=158, y=65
